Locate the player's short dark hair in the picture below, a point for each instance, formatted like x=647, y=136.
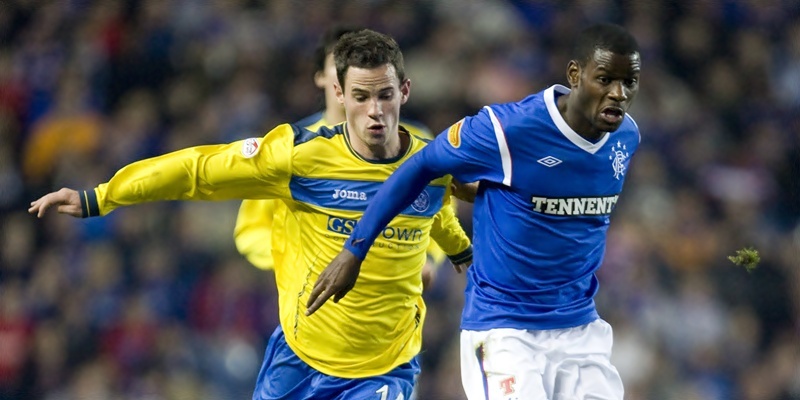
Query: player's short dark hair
x=327, y=43
x=367, y=49
x=603, y=36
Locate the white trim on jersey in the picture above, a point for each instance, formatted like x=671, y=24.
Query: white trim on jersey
x=636, y=125
x=576, y=139
x=505, y=155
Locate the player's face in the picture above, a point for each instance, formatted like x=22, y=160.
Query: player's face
x=326, y=79
x=372, y=99
x=605, y=88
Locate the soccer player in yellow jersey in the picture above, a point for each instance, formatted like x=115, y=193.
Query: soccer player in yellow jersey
x=254, y=223
x=364, y=346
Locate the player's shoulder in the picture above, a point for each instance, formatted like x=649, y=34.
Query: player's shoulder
x=531, y=105
x=508, y=117
x=416, y=128
x=630, y=126
x=312, y=122
x=630, y=122
x=303, y=135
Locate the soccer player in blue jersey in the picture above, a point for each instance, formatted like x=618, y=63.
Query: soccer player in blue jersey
x=365, y=347
x=551, y=168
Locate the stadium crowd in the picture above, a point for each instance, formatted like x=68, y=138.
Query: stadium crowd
x=155, y=302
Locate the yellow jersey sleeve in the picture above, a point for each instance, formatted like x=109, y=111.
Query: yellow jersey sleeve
x=447, y=232
x=252, y=168
x=253, y=233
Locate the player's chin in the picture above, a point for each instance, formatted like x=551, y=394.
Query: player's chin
x=609, y=122
x=376, y=138
x=607, y=126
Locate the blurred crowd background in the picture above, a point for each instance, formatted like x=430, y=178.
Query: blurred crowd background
x=153, y=302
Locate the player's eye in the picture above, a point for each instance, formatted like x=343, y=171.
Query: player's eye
x=386, y=94
x=604, y=80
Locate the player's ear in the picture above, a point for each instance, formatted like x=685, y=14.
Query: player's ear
x=319, y=79
x=573, y=73
x=405, y=90
x=339, y=92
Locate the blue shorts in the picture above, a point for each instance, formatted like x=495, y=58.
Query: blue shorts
x=283, y=375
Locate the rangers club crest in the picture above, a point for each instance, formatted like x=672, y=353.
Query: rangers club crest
x=618, y=156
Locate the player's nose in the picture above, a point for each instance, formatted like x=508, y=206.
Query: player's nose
x=617, y=92
x=375, y=109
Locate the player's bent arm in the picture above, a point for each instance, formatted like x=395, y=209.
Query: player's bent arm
x=435, y=254
x=447, y=232
x=399, y=191
x=468, y=151
x=434, y=251
x=438, y=158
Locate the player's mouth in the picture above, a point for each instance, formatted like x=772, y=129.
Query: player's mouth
x=612, y=115
x=376, y=129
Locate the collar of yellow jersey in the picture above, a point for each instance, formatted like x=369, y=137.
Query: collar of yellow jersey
x=400, y=129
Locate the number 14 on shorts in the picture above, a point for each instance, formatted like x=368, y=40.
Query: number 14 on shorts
x=384, y=392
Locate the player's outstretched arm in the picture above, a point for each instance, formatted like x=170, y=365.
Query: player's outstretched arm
x=399, y=191
x=336, y=280
x=66, y=201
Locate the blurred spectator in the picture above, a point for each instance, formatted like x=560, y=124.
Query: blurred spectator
x=157, y=303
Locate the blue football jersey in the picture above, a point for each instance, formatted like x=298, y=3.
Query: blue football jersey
x=541, y=215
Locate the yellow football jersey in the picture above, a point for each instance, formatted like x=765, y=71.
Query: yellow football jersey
x=325, y=186
x=254, y=222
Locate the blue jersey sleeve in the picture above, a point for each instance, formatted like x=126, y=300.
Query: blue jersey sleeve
x=471, y=150
x=468, y=151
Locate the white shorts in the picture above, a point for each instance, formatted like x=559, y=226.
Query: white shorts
x=557, y=364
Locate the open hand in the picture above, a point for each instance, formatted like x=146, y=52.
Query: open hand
x=336, y=280
x=67, y=201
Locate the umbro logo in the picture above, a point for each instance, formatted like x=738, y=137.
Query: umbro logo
x=549, y=161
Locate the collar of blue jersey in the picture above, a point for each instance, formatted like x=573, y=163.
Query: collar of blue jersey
x=561, y=124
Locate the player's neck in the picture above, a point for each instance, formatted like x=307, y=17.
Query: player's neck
x=392, y=148
x=334, y=113
x=576, y=120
